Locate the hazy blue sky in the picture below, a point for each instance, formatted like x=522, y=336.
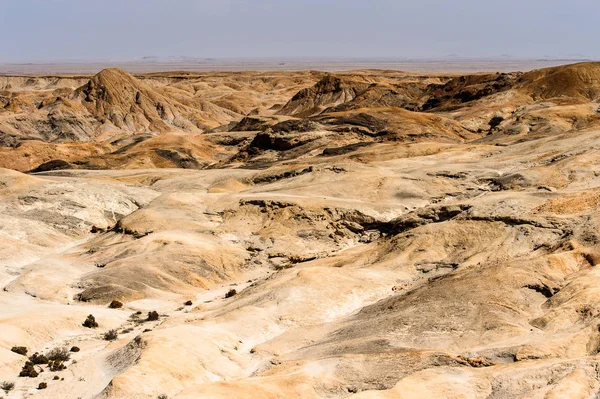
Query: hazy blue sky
x=34, y=30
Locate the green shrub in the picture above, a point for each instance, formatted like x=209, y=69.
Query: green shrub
x=36, y=358
x=56, y=378
x=90, y=322
x=28, y=370
x=231, y=293
x=496, y=121
x=188, y=303
x=115, y=305
x=56, y=365
x=21, y=350
x=152, y=316
x=111, y=335
x=75, y=349
x=42, y=385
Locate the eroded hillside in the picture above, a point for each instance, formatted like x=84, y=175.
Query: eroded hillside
x=369, y=234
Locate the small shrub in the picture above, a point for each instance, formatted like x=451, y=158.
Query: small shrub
x=115, y=305
x=188, y=303
x=163, y=396
x=21, y=350
x=42, y=385
x=127, y=330
x=56, y=378
x=587, y=311
x=90, y=322
x=36, y=358
x=111, y=335
x=495, y=121
x=28, y=370
x=152, y=316
x=146, y=330
x=56, y=365
x=7, y=386
x=58, y=354
x=75, y=349
x=230, y=293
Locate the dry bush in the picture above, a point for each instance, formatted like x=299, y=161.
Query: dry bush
x=7, y=386
x=58, y=354
x=21, y=350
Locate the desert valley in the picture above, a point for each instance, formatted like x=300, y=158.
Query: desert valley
x=367, y=234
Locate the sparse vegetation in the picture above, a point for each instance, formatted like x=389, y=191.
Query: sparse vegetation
x=21, y=350
x=90, y=322
x=587, y=311
x=116, y=304
x=56, y=378
x=42, y=385
x=231, y=293
x=152, y=316
x=28, y=370
x=162, y=396
x=7, y=386
x=75, y=349
x=111, y=335
x=58, y=354
x=188, y=303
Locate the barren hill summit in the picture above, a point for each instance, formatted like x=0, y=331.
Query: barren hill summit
x=577, y=82
x=329, y=91
x=117, y=97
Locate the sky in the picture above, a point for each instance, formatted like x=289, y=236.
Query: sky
x=52, y=30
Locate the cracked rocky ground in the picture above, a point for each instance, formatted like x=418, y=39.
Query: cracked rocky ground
x=358, y=235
